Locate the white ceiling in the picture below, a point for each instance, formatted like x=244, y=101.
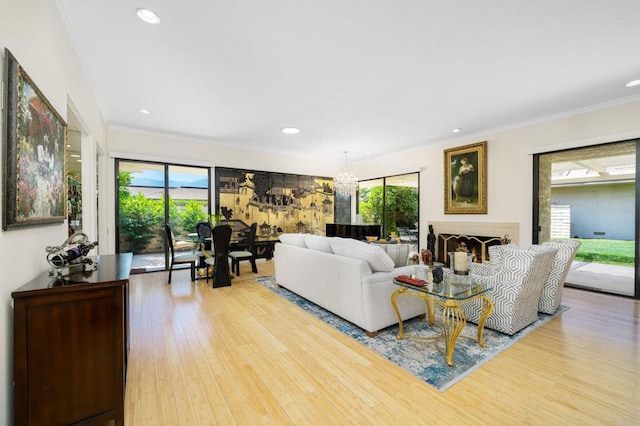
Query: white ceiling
x=364, y=76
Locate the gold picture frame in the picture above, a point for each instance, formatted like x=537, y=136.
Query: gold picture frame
x=465, y=179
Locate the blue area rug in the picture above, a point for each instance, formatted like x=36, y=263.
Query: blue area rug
x=423, y=359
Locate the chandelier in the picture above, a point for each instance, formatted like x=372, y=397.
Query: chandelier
x=346, y=183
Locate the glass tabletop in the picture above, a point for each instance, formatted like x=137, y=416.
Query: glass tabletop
x=455, y=287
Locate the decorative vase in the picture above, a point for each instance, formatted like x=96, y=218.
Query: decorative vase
x=427, y=257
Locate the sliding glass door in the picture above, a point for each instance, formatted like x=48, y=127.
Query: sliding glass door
x=393, y=202
x=152, y=194
x=590, y=194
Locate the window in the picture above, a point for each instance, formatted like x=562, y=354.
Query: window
x=150, y=195
x=393, y=202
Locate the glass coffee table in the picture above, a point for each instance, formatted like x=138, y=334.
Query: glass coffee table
x=453, y=292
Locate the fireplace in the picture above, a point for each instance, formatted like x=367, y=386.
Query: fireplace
x=476, y=236
x=478, y=245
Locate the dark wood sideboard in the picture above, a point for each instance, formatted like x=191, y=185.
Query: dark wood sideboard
x=71, y=338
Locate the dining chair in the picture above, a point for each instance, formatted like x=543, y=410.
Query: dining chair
x=205, y=243
x=249, y=253
x=204, y=231
x=179, y=258
x=220, y=259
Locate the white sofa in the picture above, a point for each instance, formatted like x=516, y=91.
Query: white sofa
x=350, y=278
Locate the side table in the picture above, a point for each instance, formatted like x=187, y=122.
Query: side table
x=451, y=294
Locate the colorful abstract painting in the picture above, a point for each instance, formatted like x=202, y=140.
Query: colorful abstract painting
x=34, y=138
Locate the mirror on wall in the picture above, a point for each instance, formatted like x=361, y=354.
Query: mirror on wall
x=74, y=181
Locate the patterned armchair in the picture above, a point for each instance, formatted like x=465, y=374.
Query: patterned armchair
x=516, y=277
x=552, y=291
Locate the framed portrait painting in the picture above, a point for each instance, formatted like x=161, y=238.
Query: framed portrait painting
x=34, y=143
x=465, y=179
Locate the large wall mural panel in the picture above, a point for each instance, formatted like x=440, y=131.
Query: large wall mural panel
x=277, y=202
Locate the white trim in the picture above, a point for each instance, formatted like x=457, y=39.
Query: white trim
x=582, y=110
x=200, y=140
x=106, y=207
x=84, y=129
x=159, y=159
x=484, y=134
x=583, y=143
x=89, y=186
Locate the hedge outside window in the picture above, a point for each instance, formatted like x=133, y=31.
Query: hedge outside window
x=393, y=202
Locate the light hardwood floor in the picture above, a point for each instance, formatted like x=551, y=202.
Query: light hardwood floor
x=243, y=355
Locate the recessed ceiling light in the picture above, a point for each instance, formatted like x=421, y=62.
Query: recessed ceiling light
x=290, y=130
x=633, y=83
x=144, y=111
x=457, y=130
x=148, y=16
x=68, y=146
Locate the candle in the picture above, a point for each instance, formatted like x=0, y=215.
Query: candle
x=460, y=262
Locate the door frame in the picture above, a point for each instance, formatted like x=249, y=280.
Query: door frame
x=166, y=167
x=536, y=227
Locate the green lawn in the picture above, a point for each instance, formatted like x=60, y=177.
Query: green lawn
x=612, y=252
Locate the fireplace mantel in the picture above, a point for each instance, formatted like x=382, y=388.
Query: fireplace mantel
x=487, y=229
x=477, y=235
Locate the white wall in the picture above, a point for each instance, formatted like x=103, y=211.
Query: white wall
x=509, y=163
x=34, y=33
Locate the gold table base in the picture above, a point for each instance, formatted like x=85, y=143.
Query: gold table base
x=453, y=318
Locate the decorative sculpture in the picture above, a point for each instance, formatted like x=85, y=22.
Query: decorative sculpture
x=438, y=274
x=71, y=253
x=431, y=240
x=226, y=212
x=427, y=257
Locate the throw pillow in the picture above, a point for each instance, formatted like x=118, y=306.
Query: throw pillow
x=377, y=258
x=293, y=240
x=318, y=242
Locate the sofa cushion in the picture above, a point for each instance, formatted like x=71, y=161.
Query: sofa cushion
x=318, y=242
x=377, y=258
x=293, y=240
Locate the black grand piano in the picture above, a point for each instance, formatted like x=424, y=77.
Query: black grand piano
x=355, y=231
